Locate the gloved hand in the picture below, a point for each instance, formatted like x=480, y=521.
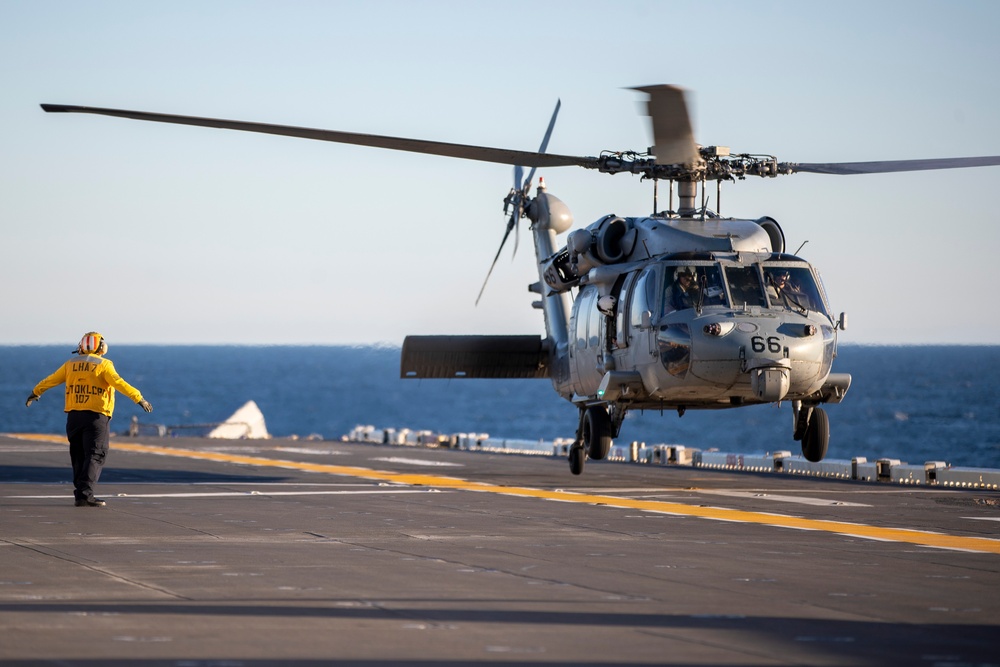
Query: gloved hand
x=144, y=404
x=31, y=399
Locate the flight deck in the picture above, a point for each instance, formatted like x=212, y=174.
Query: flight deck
x=293, y=552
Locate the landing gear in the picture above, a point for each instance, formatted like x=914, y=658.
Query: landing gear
x=576, y=458
x=812, y=427
x=816, y=437
x=593, y=437
x=596, y=432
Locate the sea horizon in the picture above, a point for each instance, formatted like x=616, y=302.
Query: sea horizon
x=915, y=403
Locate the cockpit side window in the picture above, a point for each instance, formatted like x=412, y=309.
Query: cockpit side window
x=793, y=288
x=643, y=297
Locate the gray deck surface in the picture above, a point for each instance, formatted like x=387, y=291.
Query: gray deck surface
x=443, y=557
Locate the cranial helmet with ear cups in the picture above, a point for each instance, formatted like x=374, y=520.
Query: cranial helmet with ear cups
x=92, y=343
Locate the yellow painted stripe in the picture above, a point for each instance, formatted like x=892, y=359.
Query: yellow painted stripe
x=903, y=535
x=43, y=437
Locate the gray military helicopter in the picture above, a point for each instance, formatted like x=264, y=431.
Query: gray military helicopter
x=679, y=310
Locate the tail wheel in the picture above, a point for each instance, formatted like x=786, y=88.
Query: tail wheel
x=597, y=432
x=816, y=438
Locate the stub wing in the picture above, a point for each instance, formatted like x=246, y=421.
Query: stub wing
x=835, y=388
x=502, y=357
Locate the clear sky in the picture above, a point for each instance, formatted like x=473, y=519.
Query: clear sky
x=158, y=233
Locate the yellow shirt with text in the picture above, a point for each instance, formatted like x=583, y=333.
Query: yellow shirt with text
x=90, y=384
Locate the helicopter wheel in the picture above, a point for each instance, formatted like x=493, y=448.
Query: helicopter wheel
x=576, y=458
x=596, y=432
x=817, y=436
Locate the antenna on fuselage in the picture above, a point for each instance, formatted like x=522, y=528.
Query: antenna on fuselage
x=704, y=198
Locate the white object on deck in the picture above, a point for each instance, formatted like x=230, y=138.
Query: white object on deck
x=247, y=422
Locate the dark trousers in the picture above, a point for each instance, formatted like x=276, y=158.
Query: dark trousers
x=88, y=434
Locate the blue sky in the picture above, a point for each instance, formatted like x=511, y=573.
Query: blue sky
x=166, y=234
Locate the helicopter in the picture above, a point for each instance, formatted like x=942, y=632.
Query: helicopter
x=678, y=310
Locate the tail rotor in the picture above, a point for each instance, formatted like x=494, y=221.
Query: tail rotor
x=517, y=199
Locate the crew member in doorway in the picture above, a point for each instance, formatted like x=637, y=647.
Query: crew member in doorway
x=91, y=381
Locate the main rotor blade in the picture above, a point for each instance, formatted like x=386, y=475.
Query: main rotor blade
x=481, y=153
x=672, y=134
x=848, y=168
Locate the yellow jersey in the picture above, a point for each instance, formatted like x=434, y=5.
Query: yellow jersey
x=90, y=384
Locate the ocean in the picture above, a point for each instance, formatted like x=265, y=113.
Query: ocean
x=913, y=403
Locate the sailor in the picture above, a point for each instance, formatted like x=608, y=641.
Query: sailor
x=91, y=381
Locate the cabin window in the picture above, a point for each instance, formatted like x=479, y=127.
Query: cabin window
x=621, y=337
x=594, y=318
x=585, y=305
x=793, y=288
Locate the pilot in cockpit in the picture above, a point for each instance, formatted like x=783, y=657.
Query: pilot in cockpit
x=683, y=292
x=783, y=291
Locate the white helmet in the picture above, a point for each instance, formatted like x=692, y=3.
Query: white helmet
x=683, y=271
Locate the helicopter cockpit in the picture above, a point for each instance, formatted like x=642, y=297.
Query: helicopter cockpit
x=675, y=293
x=767, y=285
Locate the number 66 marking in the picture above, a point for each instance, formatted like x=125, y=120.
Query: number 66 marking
x=760, y=344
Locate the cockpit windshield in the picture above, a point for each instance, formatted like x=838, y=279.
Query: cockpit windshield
x=692, y=287
x=740, y=286
x=792, y=287
x=744, y=286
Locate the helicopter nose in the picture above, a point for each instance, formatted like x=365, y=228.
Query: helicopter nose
x=770, y=382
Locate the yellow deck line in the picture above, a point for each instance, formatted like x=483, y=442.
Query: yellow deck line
x=903, y=535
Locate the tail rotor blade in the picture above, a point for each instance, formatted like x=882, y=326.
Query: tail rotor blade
x=517, y=235
x=517, y=197
x=544, y=146
x=519, y=177
x=510, y=225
